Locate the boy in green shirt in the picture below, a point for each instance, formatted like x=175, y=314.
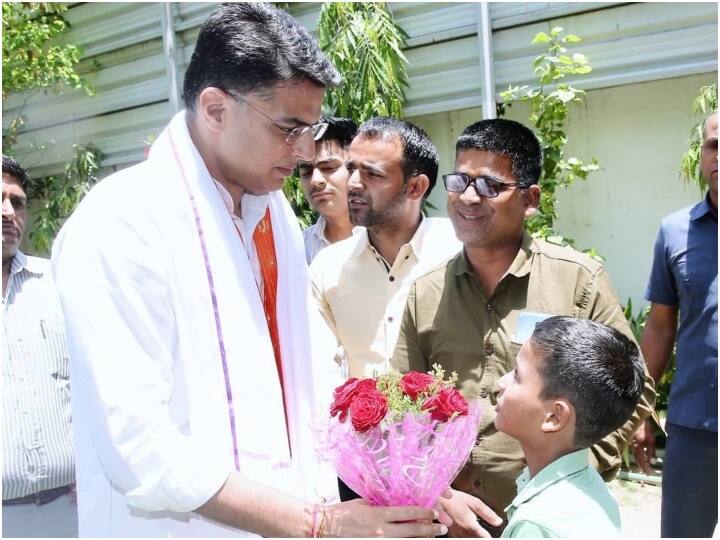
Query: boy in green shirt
x=574, y=382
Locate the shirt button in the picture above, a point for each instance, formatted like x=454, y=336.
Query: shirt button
x=489, y=306
x=390, y=319
x=489, y=349
x=392, y=278
x=484, y=393
x=476, y=483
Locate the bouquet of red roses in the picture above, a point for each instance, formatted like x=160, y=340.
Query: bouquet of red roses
x=407, y=436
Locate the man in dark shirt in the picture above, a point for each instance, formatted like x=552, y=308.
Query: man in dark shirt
x=683, y=285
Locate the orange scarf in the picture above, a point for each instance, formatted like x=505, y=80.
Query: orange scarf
x=265, y=247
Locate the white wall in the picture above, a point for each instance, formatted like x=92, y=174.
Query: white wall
x=638, y=133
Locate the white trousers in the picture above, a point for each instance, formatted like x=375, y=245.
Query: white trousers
x=56, y=519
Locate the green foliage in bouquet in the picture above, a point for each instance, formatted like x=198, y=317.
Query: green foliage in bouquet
x=399, y=403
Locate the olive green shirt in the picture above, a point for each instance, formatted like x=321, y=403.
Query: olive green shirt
x=449, y=320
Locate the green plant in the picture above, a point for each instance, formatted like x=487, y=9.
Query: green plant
x=62, y=193
x=548, y=114
x=296, y=197
x=704, y=104
x=365, y=44
x=32, y=60
x=363, y=41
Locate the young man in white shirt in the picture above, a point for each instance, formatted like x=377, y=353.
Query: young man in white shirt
x=324, y=182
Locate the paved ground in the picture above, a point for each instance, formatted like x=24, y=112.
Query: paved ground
x=639, y=508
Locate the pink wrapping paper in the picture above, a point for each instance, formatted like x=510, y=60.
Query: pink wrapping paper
x=408, y=462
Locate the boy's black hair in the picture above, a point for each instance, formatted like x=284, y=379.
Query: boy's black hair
x=507, y=138
x=419, y=153
x=339, y=129
x=246, y=47
x=595, y=367
x=13, y=168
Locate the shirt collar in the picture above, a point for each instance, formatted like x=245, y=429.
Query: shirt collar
x=702, y=209
x=416, y=242
x=252, y=206
x=22, y=262
x=226, y=197
x=559, y=469
x=363, y=241
x=319, y=229
x=519, y=267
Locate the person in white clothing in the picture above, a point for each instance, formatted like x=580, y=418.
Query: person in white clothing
x=185, y=291
x=38, y=472
x=324, y=183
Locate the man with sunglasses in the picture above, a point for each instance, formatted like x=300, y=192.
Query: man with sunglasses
x=185, y=290
x=464, y=315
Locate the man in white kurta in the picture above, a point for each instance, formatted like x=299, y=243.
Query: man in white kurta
x=191, y=416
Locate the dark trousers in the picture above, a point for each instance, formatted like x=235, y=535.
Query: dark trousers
x=346, y=494
x=689, y=483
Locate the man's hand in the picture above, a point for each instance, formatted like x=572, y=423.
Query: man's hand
x=643, y=446
x=464, y=510
x=357, y=518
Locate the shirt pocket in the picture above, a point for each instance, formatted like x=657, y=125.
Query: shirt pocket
x=52, y=337
x=694, y=279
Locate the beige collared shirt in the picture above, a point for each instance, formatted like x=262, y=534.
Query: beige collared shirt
x=362, y=297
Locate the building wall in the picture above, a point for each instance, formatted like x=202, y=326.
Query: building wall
x=638, y=133
x=649, y=60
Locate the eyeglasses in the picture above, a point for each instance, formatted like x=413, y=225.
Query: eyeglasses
x=485, y=186
x=292, y=135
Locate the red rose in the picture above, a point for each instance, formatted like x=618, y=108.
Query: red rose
x=415, y=383
x=345, y=394
x=445, y=403
x=368, y=409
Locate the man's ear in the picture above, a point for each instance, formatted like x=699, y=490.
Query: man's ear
x=558, y=415
x=211, y=107
x=531, y=198
x=417, y=186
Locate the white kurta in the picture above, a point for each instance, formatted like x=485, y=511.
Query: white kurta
x=151, y=410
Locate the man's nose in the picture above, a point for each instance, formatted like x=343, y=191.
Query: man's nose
x=353, y=182
x=470, y=195
x=317, y=179
x=8, y=211
x=304, y=147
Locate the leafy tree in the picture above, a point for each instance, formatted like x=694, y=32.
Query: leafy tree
x=62, y=193
x=365, y=44
x=704, y=104
x=31, y=59
x=549, y=109
x=34, y=61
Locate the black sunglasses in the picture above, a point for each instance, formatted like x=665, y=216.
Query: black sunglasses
x=485, y=186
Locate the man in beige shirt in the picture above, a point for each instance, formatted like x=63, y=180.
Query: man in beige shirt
x=361, y=283
x=464, y=314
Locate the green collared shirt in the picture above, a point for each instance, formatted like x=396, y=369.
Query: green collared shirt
x=449, y=320
x=568, y=498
